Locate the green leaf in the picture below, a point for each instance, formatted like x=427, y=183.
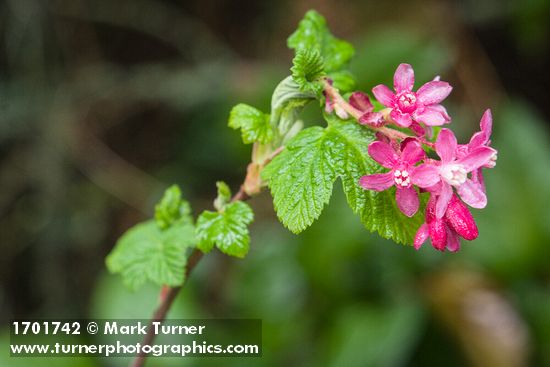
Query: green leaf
x=313, y=34
x=228, y=229
x=146, y=252
x=254, y=124
x=286, y=104
x=307, y=69
x=172, y=208
x=301, y=180
x=378, y=210
x=224, y=195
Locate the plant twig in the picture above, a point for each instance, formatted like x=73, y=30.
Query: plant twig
x=356, y=114
x=168, y=298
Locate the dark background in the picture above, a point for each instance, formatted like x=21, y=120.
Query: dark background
x=103, y=104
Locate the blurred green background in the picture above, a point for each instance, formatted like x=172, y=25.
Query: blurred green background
x=103, y=104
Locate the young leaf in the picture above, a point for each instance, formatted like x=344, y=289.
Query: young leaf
x=307, y=69
x=254, y=124
x=227, y=229
x=224, y=196
x=172, y=208
x=313, y=34
x=286, y=103
x=146, y=252
x=301, y=178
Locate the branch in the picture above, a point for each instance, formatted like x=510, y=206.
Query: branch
x=168, y=299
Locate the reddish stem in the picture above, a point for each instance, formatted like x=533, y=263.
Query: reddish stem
x=356, y=114
x=169, y=295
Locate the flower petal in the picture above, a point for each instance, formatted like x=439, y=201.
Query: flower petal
x=430, y=116
x=384, y=95
x=445, y=145
x=482, y=137
x=421, y=236
x=430, y=208
x=411, y=151
x=460, y=219
x=417, y=129
x=462, y=151
x=383, y=153
x=473, y=194
x=377, y=182
x=443, y=200
x=486, y=123
x=453, y=241
x=403, y=79
x=435, y=189
x=442, y=110
x=433, y=92
x=476, y=158
x=425, y=175
x=477, y=176
x=407, y=200
x=401, y=119
x=361, y=101
x=477, y=140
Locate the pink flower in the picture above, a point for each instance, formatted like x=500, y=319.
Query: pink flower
x=421, y=106
x=445, y=232
x=440, y=177
x=401, y=174
x=474, y=189
x=361, y=102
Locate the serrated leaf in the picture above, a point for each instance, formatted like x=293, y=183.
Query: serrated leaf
x=313, y=34
x=307, y=69
x=172, y=208
x=254, y=124
x=146, y=252
x=227, y=229
x=301, y=179
x=378, y=210
x=382, y=215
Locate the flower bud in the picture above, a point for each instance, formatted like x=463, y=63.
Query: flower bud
x=460, y=219
x=438, y=233
x=361, y=101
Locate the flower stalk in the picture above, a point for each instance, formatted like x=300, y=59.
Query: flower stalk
x=392, y=134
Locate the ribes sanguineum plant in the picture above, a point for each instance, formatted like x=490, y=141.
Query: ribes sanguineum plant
x=405, y=179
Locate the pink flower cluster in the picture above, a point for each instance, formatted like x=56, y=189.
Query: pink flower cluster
x=408, y=107
x=452, y=180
